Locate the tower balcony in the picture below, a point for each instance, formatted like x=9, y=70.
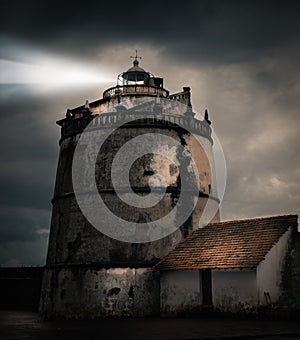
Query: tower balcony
x=134, y=90
x=71, y=127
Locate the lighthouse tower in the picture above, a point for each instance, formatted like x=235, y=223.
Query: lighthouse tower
x=91, y=272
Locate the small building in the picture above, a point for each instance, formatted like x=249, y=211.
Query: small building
x=230, y=266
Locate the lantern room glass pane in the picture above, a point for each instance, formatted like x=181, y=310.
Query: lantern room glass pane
x=135, y=78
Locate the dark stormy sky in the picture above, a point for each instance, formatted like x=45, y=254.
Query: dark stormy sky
x=241, y=59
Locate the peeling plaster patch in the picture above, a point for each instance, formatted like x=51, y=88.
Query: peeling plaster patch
x=173, y=169
x=131, y=292
x=114, y=291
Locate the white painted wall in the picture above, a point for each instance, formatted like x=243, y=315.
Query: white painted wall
x=180, y=291
x=269, y=271
x=233, y=290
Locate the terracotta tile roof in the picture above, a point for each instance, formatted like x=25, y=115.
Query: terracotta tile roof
x=232, y=244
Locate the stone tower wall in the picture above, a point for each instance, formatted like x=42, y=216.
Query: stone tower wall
x=89, y=274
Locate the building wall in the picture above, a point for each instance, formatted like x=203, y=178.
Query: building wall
x=180, y=291
x=84, y=292
x=270, y=271
x=234, y=290
x=74, y=240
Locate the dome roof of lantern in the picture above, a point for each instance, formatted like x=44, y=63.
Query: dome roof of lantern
x=136, y=67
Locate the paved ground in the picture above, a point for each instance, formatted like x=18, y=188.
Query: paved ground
x=27, y=325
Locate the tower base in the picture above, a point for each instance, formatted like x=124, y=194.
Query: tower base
x=86, y=292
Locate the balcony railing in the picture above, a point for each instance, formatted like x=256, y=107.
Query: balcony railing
x=163, y=120
x=135, y=89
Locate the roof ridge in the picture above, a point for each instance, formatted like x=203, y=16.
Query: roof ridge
x=253, y=219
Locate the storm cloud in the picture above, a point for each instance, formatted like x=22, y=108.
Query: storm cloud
x=241, y=59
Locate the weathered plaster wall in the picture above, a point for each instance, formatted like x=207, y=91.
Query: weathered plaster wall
x=270, y=271
x=180, y=291
x=234, y=290
x=85, y=292
x=74, y=240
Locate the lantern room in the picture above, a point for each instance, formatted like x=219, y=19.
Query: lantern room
x=136, y=75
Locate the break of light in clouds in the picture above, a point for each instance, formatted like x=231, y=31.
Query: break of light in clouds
x=12, y=72
x=49, y=71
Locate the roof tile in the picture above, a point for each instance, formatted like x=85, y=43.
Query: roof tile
x=231, y=244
